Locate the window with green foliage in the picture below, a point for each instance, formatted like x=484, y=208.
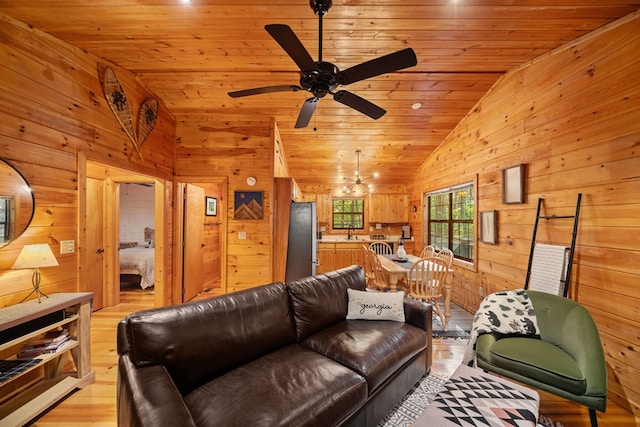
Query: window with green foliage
x=5, y=224
x=450, y=214
x=348, y=212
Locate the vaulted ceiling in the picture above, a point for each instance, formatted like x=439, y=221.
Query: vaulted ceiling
x=191, y=53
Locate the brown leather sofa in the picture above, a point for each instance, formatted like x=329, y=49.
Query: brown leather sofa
x=275, y=355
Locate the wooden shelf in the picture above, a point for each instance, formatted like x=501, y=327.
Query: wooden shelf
x=44, y=358
x=25, y=395
x=34, y=334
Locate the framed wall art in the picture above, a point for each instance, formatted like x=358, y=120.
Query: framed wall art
x=248, y=205
x=513, y=184
x=488, y=228
x=211, y=206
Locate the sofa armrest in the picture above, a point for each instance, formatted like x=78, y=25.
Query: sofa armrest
x=419, y=314
x=122, y=345
x=148, y=397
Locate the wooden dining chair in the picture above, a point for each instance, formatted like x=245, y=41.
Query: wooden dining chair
x=369, y=272
x=381, y=280
x=428, y=251
x=427, y=278
x=446, y=255
x=382, y=248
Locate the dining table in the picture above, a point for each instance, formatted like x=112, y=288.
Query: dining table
x=397, y=271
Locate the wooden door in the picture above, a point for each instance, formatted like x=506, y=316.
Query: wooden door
x=193, y=255
x=94, y=265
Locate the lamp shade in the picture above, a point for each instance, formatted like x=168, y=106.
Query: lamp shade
x=35, y=256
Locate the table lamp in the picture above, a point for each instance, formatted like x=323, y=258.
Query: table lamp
x=36, y=257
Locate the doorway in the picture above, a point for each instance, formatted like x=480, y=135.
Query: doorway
x=200, y=230
x=99, y=232
x=136, y=237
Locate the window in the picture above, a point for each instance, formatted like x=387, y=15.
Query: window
x=348, y=212
x=450, y=214
x=5, y=223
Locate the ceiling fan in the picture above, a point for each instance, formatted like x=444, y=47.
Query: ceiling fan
x=321, y=78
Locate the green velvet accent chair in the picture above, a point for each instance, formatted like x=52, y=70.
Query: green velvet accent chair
x=566, y=359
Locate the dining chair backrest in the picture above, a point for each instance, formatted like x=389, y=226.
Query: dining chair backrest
x=446, y=255
x=428, y=251
x=368, y=262
x=427, y=278
x=382, y=248
x=381, y=281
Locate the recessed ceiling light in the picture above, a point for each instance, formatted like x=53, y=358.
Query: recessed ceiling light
x=416, y=106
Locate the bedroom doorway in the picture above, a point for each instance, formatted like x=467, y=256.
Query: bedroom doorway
x=99, y=231
x=136, y=236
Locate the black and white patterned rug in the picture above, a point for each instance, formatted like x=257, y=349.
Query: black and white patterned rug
x=415, y=402
x=420, y=396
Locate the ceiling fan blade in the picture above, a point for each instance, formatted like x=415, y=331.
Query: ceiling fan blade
x=266, y=89
x=288, y=40
x=306, y=112
x=385, y=64
x=358, y=103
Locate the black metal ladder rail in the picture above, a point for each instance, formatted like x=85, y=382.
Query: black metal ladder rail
x=575, y=217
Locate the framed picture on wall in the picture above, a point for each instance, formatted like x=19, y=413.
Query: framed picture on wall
x=513, y=184
x=488, y=229
x=211, y=206
x=248, y=205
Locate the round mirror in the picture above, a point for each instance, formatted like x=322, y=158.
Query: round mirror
x=16, y=203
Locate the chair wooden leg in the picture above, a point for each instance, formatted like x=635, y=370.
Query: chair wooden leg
x=443, y=319
x=593, y=417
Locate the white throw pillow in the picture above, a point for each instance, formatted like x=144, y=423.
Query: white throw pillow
x=375, y=305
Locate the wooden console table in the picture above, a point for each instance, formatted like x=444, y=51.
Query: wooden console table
x=28, y=393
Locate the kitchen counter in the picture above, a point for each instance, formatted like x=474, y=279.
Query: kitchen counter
x=338, y=239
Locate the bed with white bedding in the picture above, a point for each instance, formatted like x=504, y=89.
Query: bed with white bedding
x=138, y=260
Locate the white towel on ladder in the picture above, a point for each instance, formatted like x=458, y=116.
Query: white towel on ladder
x=548, y=268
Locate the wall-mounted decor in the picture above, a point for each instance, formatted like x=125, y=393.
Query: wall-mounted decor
x=488, y=228
x=248, y=205
x=147, y=118
x=513, y=184
x=211, y=204
x=117, y=100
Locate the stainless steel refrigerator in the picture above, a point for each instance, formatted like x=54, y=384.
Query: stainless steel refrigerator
x=303, y=244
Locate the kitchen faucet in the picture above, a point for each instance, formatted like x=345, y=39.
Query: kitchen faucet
x=349, y=228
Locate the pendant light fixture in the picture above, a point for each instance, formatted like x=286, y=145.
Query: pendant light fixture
x=358, y=181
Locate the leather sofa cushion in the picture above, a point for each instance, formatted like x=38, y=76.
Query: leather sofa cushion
x=186, y=339
x=539, y=360
x=292, y=386
x=376, y=349
x=321, y=301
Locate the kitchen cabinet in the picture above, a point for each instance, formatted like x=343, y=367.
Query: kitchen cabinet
x=326, y=254
x=389, y=208
x=343, y=255
x=324, y=208
x=337, y=255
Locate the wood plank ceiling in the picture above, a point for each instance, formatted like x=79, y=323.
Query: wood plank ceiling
x=191, y=53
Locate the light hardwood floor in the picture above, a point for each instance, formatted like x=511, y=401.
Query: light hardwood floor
x=96, y=404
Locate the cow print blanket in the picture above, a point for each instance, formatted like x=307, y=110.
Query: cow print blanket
x=504, y=312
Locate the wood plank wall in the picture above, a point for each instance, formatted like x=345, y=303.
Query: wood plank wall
x=52, y=107
x=236, y=148
x=573, y=117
